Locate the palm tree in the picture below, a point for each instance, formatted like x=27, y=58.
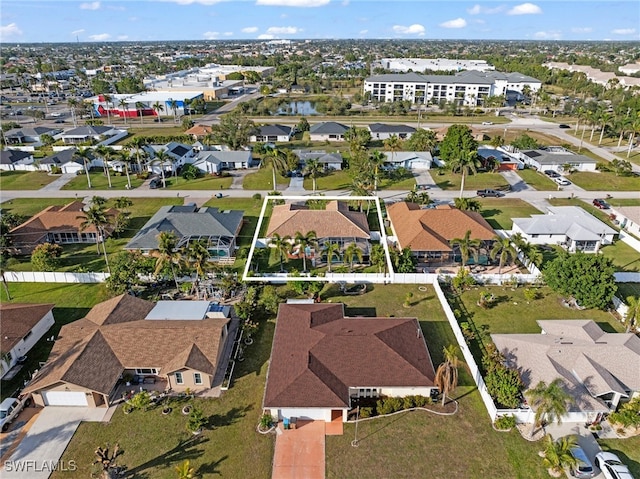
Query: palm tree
x=125, y=107
x=282, y=245
x=502, y=247
x=162, y=157
x=352, y=252
x=467, y=204
x=140, y=108
x=466, y=246
x=550, y=401
x=86, y=157
x=378, y=257
x=96, y=216
x=3, y=269
x=633, y=313
x=393, y=144
x=313, y=168
x=198, y=256
x=137, y=143
x=278, y=161
x=107, y=101
x=167, y=254
x=467, y=162
x=123, y=203
x=184, y=470
x=330, y=249
x=303, y=241
x=158, y=108
x=605, y=120
x=447, y=374
x=105, y=152
x=557, y=454
x=173, y=104
x=125, y=157
x=376, y=160
x=634, y=128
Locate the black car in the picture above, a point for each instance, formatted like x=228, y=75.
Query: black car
x=155, y=183
x=489, y=193
x=552, y=174
x=563, y=126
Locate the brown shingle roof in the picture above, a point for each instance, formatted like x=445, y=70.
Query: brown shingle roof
x=93, y=352
x=318, y=354
x=433, y=229
x=198, y=130
x=336, y=221
x=17, y=319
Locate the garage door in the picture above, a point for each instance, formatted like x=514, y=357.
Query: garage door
x=319, y=414
x=64, y=398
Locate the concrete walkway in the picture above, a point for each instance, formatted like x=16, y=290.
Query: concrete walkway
x=299, y=453
x=58, y=182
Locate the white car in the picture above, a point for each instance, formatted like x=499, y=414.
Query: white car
x=611, y=466
x=562, y=182
x=487, y=123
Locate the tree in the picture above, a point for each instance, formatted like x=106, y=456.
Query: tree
x=621, y=167
x=137, y=143
x=173, y=104
x=589, y=278
x=503, y=384
x=447, y=374
x=466, y=247
x=330, y=249
x=233, y=130
x=198, y=257
x=393, y=144
x=162, y=157
x=126, y=266
x=105, y=153
x=550, y=402
x=304, y=240
x=312, y=168
x=140, y=109
x=45, y=257
x=357, y=137
x=378, y=258
x=458, y=141
x=167, y=254
x=467, y=162
x=107, y=461
x=497, y=141
x=421, y=140
x=96, y=216
x=125, y=108
x=467, y=204
x=376, y=160
x=503, y=249
x=633, y=313
x=403, y=261
x=351, y=252
x=158, y=108
x=86, y=157
x=282, y=244
x=525, y=142
x=47, y=140
x=303, y=125
x=108, y=101
x=277, y=159
x=184, y=470
x=557, y=454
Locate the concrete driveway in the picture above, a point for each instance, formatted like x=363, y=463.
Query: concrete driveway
x=299, y=453
x=585, y=440
x=43, y=445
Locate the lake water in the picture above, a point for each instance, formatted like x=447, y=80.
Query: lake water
x=298, y=108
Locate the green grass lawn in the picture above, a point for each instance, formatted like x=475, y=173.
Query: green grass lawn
x=25, y=180
x=624, y=257
x=154, y=444
x=451, y=181
x=99, y=181
x=628, y=450
x=208, y=182
x=30, y=206
x=168, y=128
x=624, y=202
x=499, y=211
x=333, y=180
x=72, y=301
x=537, y=180
x=262, y=179
x=605, y=181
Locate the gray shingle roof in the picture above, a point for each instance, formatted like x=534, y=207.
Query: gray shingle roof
x=61, y=157
x=9, y=157
x=217, y=157
x=386, y=128
x=88, y=131
x=328, y=128
x=279, y=130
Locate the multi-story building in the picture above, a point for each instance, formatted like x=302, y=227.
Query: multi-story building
x=433, y=64
x=469, y=88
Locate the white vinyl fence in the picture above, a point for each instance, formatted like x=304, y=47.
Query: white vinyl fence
x=53, y=277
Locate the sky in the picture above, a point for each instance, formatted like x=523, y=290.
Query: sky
x=27, y=21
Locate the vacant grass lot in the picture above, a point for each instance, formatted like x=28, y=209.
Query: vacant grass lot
x=208, y=182
x=262, y=179
x=499, y=211
x=25, y=180
x=624, y=202
x=605, y=181
x=99, y=181
x=536, y=180
x=451, y=181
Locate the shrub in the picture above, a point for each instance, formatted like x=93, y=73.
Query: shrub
x=408, y=402
x=504, y=385
x=505, y=422
x=389, y=405
x=366, y=411
x=257, y=197
x=265, y=421
x=628, y=415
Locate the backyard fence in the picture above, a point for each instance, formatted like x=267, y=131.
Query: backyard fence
x=630, y=240
x=627, y=277
x=620, y=307
x=53, y=277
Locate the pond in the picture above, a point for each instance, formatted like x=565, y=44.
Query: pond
x=297, y=108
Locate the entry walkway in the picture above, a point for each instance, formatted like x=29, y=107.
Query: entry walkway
x=299, y=453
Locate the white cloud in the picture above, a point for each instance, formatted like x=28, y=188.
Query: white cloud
x=293, y=3
x=582, y=29
x=624, y=31
x=77, y=32
x=475, y=10
x=415, y=29
x=250, y=30
x=191, y=2
x=456, y=23
x=345, y=3
x=228, y=34
x=211, y=35
x=99, y=37
x=90, y=6
x=525, y=9
x=551, y=35
x=265, y=36
x=123, y=37
x=478, y=9
x=363, y=32
x=9, y=31
x=283, y=30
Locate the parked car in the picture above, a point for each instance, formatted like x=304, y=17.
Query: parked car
x=155, y=183
x=9, y=410
x=490, y=193
x=487, y=123
x=583, y=468
x=552, y=174
x=562, y=182
x=611, y=466
x=602, y=204
x=563, y=126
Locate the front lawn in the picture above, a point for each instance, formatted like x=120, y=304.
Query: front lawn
x=604, y=181
x=451, y=181
x=99, y=181
x=262, y=179
x=208, y=182
x=154, y=444
x=25, y=180
x=624, y=257
x=628, y=450
x=333, y=180
x=28, y=207
x=499, y=212
x=537, y=180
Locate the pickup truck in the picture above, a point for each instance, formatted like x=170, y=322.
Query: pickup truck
x=9, y=410
x=486, y=193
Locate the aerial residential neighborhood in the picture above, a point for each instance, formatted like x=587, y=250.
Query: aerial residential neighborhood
x=244, y=250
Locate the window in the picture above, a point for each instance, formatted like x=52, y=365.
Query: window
x=146, y=371
x=197, y=378
x=179, y=379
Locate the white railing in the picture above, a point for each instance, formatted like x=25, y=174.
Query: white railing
x=627, y=277
x=53, y=277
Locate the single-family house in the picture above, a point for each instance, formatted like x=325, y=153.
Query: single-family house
x=334, y=224
x=558, y=159
x=597, y=369
x=382, y=131
x=272, y=133
x=329, y=161
x=327, y=131
x=567, y=226
x=16, y=160
x=477, y=134
x=179, y=154
x=58, y=224
x=215, y=161
x=30, y=134
x=428, y=232
x=84, y=134
x=22, y=325
x=628, y=217
x=411, y=160
x=323, y=362
x=65, y=160
x=199, y=132
x=180, y=343
x=219, y=229
x=500, y=160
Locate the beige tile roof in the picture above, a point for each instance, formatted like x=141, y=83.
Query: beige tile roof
x=17, y=319
x=93, y=352
x=198, y=130
x=433, y=229
x=336, y=221
x=318, y=354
